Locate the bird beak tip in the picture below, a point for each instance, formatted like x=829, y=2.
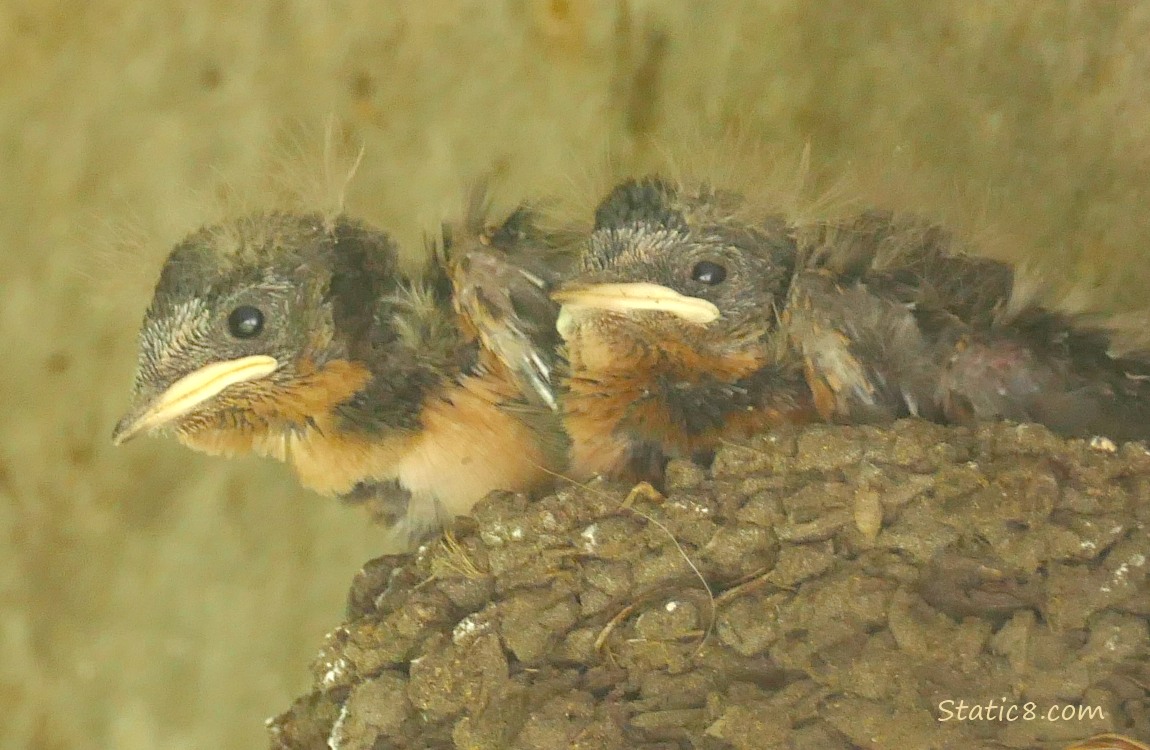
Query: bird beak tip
x=189, y=392
x=124, y=431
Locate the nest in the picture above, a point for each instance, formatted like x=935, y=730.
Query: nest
x=827, y=587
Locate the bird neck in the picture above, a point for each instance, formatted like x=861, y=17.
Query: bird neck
x=674, y=396
x=263, y=422
x=413, y=351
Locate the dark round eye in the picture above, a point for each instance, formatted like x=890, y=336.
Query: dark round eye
x=708, y=272
x=245, y=322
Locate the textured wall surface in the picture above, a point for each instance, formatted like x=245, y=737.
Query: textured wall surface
x=136, y=583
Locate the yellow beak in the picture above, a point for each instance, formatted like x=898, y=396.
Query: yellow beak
x=190, y=391
x=632, y=297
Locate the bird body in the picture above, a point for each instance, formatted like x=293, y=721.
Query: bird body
x=925, y=327
x=692, y=321
x=297, y=337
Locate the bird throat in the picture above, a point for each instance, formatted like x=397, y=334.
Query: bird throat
x=626, y=390
x=281, y=419
x=458, y=455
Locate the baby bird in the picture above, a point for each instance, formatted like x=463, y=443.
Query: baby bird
x=671, y=333
x=296, y=336
x=692, y=321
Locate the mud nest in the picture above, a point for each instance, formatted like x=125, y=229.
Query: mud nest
x=857, y=579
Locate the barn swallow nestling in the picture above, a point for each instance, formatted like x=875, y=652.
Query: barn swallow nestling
x=670, y=331
x=692, y=321
x=297, y=337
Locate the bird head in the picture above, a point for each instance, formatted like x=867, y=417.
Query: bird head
x=255, y=321
x=672, y=269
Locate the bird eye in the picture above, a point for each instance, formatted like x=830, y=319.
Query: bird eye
x=245, y=322
x=708, y=272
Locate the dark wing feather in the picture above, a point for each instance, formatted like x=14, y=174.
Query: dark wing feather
x=973, y=353
x=502, y=277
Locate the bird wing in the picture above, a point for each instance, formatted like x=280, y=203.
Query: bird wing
x=502, y=277
x=1051, y=368
x=864, y=357
x=876, y=306
x=893, y=316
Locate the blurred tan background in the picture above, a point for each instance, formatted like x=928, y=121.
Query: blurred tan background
x=154, y=598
